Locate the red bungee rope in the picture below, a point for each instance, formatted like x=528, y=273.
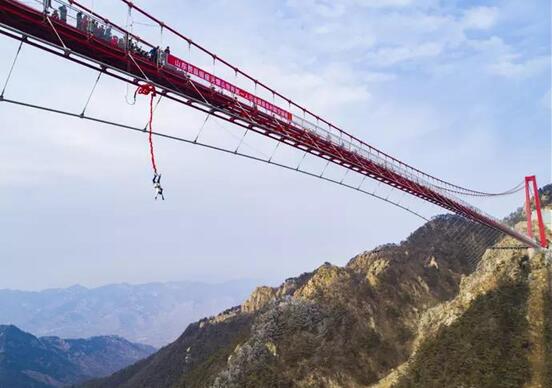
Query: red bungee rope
x=149, y=89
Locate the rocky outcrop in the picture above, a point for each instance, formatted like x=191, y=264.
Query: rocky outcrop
x=491, y=335
x=335, y=326
x=423, y=313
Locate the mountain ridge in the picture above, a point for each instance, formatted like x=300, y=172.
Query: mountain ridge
x=307, y=320
x=370, y=322
x=152, y=313
x=29, y=361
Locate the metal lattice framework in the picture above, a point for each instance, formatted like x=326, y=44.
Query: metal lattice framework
x=89, y=39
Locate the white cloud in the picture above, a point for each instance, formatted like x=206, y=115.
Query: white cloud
x=546, y=100
x=510, y=68
x=379, y=77
x=324, y=8
x=480, y=18
x=389, y=56
x=384, y=3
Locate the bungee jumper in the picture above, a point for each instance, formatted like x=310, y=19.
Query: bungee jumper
x=157, y=187
x=149, y=89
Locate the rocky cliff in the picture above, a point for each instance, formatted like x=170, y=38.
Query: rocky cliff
x=415, y=314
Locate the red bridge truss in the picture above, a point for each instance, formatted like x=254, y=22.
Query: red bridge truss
x=71, y=30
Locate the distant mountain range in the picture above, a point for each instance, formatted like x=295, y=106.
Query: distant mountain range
x=153, y=313
x=28, y=361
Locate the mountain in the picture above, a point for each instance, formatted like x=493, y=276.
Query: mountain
x=28, y=361
x=153, y=313
x=497, y=332
x=414, y=314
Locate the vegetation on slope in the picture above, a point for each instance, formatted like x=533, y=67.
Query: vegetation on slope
x=486, y=347
x=346, y=326
x=545, y=194
x=351, y=326
x=190, y=361
x=548, y=330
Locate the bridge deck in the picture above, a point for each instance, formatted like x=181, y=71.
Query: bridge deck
x=31, y=22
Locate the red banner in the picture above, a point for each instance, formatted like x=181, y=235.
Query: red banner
x=216, y=81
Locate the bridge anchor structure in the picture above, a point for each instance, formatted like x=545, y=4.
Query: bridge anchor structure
x=70, y=30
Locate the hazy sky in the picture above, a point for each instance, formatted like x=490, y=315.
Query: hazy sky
x=460, y=89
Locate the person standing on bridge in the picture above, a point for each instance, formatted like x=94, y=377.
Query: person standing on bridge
x=47, y=5
x=79, y=20
x=84, y=23
x=163, y=55
x=63, y=13
x=154, y=54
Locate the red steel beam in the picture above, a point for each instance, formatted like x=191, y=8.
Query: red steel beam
x=528, y=208
x=532, y=180
x=32, y=22
x=131, y=5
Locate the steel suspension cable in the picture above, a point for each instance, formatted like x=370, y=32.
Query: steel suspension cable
x=515, y=189
x=444, y=185
x=208, y=146
x=11, y=69
x=91, y=93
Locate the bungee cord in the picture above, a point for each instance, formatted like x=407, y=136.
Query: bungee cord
x=149, y=90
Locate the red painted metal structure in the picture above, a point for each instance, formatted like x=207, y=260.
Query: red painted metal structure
x=118, y=58
x=532, y=180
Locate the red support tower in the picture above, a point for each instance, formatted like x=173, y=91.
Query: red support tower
x=542, y=234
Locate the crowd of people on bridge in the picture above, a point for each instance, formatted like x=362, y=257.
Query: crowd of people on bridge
x=103, y=31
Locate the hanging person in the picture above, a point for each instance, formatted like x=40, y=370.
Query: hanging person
x=157, y=186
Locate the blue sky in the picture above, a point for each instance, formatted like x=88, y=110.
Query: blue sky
x=459, y=89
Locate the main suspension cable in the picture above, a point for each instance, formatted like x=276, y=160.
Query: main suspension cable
x=212, y=147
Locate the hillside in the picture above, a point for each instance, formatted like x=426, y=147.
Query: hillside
x=387, y=318
x=28, y=361
x=153, y=313
x=497, y=332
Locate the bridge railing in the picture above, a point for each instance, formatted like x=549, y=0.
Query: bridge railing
x=96, y=27
x=300, y=116
x=104, y=30
x=300, y=113
x=116, y=36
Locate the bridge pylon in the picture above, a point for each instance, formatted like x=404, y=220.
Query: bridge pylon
x=532, y=181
